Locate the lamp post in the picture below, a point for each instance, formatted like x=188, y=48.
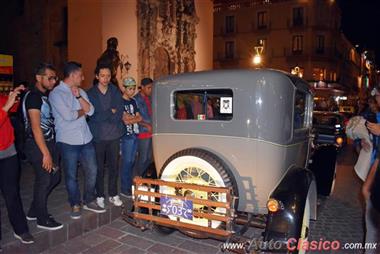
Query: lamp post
x=257, y=58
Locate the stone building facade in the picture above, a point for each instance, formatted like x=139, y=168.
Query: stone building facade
x=298, y=36
x=167, y=33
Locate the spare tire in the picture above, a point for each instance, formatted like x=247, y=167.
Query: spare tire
x=198, y=166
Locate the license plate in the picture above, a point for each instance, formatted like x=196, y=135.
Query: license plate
x=177, y=207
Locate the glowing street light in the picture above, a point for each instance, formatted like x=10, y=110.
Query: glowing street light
x=257, y=58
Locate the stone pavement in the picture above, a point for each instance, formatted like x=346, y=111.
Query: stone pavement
x=339, y=218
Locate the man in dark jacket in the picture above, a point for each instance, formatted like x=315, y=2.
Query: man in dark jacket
x=107, y=128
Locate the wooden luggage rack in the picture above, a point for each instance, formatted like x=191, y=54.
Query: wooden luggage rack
x=147, y=211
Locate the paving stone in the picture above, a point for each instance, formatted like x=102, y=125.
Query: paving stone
x=126, y=249
x=92, y=238
x=164, y=249
x=198, y=247
x=103, y=247
x=110, y=232
x=76, y=246
x=118, y=224
x=135, y=241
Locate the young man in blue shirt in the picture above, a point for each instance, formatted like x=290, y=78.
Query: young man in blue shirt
x=70, y=106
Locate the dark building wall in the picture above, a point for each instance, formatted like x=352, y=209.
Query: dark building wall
x=33, y=31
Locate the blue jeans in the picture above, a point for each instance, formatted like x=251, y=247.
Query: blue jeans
x=87, y=157
x=145, y=157
x=128, y=155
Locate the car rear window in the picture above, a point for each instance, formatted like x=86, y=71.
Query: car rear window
x=210, y=104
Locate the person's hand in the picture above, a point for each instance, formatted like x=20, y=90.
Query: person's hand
x=12, y=98
x=113, y=110
x=374, y=128
x=365, y=145
x=47, y=162
x=126, y=118
x=75, y=91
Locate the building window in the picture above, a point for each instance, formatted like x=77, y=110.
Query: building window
x=229, y=49
x=320, y=44
x=298, y=16
x=210, y=104
x=319, y=74
x=262, y=20
x=297, y=45
x=230, y=24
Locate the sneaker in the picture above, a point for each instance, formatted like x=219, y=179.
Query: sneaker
x=75, y=212
x=49, y=224
x=115, y=200
x=31, y=218
x=100, y=202
x=26, y=238
x=93, y=207
x=34, y=217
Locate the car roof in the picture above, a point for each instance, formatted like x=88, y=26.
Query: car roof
x=215, y=78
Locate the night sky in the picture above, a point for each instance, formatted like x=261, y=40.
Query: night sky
x=361, y=24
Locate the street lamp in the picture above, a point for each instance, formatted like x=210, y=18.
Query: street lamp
x=257, y=58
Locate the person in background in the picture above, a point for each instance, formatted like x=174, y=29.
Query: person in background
x=70, y=106
x=131, y=118
x=40, y=145
x=107, y=128
x=10, y=171
x=371, y=190
x=144, y=144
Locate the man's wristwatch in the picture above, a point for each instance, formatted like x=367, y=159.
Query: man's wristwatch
x=78, y=97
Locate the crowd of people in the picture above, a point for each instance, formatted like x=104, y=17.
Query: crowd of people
x=67, y=129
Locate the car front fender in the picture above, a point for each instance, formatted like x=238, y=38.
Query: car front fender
x=296, y=186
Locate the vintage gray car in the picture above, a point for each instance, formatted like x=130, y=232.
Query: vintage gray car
x=230, y=147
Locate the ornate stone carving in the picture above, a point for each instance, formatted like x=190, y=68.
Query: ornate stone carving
x=166, y=37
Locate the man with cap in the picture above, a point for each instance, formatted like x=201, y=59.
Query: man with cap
x=131, y=118
x=144, y=143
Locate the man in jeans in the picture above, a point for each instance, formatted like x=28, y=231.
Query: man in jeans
x=144, y=143
x=40, y=145
x=70, y=107
x=107, y=127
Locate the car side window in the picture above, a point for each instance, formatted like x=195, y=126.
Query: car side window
x=210, y=104
x=300, y=110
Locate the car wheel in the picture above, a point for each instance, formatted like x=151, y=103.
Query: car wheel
x=200, y=167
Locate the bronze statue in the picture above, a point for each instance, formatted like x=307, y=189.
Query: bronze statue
x=110, y=57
